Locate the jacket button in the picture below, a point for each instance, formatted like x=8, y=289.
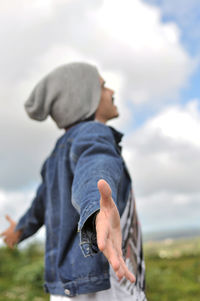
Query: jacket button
x=67, y=292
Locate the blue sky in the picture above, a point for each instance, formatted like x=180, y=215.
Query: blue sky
x=150, y=58
x=186, y=14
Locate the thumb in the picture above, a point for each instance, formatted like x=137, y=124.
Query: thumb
x=105, y=192
x=9, y=219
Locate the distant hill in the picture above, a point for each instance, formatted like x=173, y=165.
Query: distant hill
x=173, y=234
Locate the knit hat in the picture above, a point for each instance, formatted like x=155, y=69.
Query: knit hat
x=70, y=93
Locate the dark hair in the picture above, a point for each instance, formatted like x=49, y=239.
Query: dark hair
x=90, y=118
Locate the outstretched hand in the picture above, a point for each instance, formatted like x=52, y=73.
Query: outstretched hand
x=109, y=236
x=10, y=236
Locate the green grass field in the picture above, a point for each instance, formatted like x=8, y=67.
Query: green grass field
x=173, y=272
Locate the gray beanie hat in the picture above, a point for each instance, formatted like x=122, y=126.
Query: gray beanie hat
x=70, y=93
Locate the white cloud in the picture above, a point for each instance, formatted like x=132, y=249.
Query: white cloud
x=145, y=51
x=164, y=160
x=166, y=211
x=139, y=56
x=180, y=124
x=186, y=14
x=164, y=154
x=8, y=199
x=24, y=146
x=15, y=204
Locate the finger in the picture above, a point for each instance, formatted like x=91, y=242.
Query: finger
x=130, y=276
x=127, y=273
x=10, y=245
x=9, y=219
x=124, y=272
x=5, y=240
x=105, y=191
x=120, y=273
x=111, y=255
x=3, y=233
x=102, y=234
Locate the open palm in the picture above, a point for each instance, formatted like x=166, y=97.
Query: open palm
x=109, y=237
x=11, y=237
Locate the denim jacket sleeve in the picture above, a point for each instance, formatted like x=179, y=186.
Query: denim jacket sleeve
x=94, y=156
x=33, y=218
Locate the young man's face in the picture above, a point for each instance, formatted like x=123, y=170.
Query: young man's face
x=107, y=109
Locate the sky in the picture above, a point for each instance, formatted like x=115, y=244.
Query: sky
x=148, y=52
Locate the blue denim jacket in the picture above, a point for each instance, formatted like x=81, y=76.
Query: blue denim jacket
x=66, y=203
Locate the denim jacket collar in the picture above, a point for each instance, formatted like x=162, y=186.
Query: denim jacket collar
x=117, y=135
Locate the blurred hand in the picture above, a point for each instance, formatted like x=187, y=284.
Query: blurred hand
x=109, y=236
x=10, y=236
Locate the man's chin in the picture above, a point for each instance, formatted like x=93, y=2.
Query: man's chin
x=115, y=116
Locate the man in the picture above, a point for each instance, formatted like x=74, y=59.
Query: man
x=85, y=191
